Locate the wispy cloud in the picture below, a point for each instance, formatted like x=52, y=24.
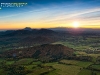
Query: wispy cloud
x=26, y=12
x=73, y=15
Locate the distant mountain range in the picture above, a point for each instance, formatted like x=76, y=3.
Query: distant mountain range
x=28, y=31
x=70, y=29
x=77, y=31
x=49, y=31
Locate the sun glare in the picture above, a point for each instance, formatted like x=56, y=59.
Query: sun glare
x=75, y=24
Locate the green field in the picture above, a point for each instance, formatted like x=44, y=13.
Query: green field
x=24, y=61
x=96, y=66
x=62, y=67
x=79, y=43
x=84, y=72
x=76, y=63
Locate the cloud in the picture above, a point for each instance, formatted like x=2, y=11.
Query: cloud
x=73, y=15
x=86, y=12
x=13, y=15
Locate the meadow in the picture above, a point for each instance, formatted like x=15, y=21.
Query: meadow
x=62, y=67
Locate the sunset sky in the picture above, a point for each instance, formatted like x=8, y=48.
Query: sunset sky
x=50, y=13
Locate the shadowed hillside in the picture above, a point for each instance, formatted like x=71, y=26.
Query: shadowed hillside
x=42, y=52
x=24, y=32
x=37, y=40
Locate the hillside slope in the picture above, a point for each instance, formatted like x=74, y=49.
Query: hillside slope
x=42, y=52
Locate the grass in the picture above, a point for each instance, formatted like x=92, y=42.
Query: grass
x=9, y=62
x=29, y=67
x=2, y=72
x=1, y=59
x=77, y=63
x=24, y=61
x=80, y=53
x=73, y=45
x=50, y=64
x=96, y=66
x=72, y=62
x=38, y=70
x=37, y=63
x=84, y=72
x=94, y=55
x=62, y=69
x=53, y=73
x=88, y=72
x=78, y=43
x=67, y=69
x=84, y=64
x=98, y=73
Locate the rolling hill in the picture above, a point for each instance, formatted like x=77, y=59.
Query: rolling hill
x=43, y=52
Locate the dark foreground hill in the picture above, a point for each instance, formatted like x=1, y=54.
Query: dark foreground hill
x=45, y=52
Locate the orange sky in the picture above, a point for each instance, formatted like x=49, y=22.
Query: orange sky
x=50, y=16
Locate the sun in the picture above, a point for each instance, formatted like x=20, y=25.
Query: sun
x=75, y=24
